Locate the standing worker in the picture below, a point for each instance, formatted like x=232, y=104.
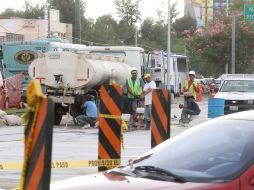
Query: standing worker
x=147, y=94
x=199, y=92
x=134, y=87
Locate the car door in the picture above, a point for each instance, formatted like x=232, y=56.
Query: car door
x=247, y=179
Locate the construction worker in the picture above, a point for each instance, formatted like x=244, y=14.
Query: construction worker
x=212, y=90
x=90, y=116
x=190, y=108
x=134, y=87
x=191, y=85
x=190, y=94
x=147, y=94
x=199, y=92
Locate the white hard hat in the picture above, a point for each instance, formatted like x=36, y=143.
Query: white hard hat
x=134, y=69
x=192, y=73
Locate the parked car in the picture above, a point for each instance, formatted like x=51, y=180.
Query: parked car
x=214, y=155
x=238, y=94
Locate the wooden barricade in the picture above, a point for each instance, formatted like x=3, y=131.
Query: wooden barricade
x=110, y=123
x=39, y=121
x=160, y=121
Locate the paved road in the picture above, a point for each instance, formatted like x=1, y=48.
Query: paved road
x=72, y=143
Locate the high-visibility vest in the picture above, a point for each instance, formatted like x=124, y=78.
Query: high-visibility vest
x=136, y=88
x=190, y=89
x=199, y=93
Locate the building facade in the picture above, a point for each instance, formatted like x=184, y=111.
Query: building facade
x=19, y=29
x=203, y=10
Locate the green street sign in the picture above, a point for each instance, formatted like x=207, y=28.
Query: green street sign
x=249, y=12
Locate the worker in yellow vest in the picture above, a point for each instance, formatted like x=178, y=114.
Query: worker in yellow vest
x=191, y=85
x=134, y=87
x=190, y=107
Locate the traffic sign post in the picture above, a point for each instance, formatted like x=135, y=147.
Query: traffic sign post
x=248, y=12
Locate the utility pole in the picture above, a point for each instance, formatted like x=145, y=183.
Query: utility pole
x=206, y=12
x=78, y=22
x=169, y=45
x=49, y=33
x=233, y=45
x=226, y=66
x=136, y=36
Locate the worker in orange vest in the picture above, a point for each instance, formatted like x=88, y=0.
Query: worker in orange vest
x=199, y=93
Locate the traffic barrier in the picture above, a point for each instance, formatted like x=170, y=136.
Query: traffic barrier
x=39, y=122
x=160, y=121
x=215, y=107
x=11, y=92
x=63, y=164
x=110, y=123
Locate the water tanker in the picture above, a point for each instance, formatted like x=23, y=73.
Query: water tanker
x=75, y=71
x=67, y=76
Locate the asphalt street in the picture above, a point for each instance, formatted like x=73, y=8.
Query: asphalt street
x=73, y=143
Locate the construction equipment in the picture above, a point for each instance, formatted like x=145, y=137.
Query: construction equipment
x=68, y=76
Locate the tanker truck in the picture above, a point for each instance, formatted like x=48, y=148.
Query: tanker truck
x=67, y=77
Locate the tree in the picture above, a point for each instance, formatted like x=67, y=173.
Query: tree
x=67, y=10
x=105, y=30
x=211, y=48
x=126, y=33
x=162, y=17
x=9, y=12
x=30, y=12
x=185, y=26
x=128, y=11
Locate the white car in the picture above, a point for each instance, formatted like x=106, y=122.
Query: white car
x=200, y=78
x=238, y=94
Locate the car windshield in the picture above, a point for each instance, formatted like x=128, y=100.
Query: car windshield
x=217, y=150
x=237, y=86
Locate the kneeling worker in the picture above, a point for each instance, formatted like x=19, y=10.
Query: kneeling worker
x=191, y=108
x=90, y=116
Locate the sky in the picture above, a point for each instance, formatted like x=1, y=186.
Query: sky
x=96, y=8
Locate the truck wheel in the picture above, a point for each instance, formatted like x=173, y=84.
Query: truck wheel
x=58, y=114
x=58, y=119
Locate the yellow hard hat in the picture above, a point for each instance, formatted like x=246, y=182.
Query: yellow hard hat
x=147, y=75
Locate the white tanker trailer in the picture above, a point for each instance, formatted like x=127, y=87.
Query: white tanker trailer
x=68, y=76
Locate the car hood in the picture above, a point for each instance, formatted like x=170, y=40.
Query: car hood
x=104, y=181
x=235, y=95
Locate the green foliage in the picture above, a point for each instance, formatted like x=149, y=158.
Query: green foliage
x=128, y=11
x=185, y=26
x=30, y=12
x=105, y=29
x=153, y=34
x=210, y=49
x=126, y=33
x=67, y=11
